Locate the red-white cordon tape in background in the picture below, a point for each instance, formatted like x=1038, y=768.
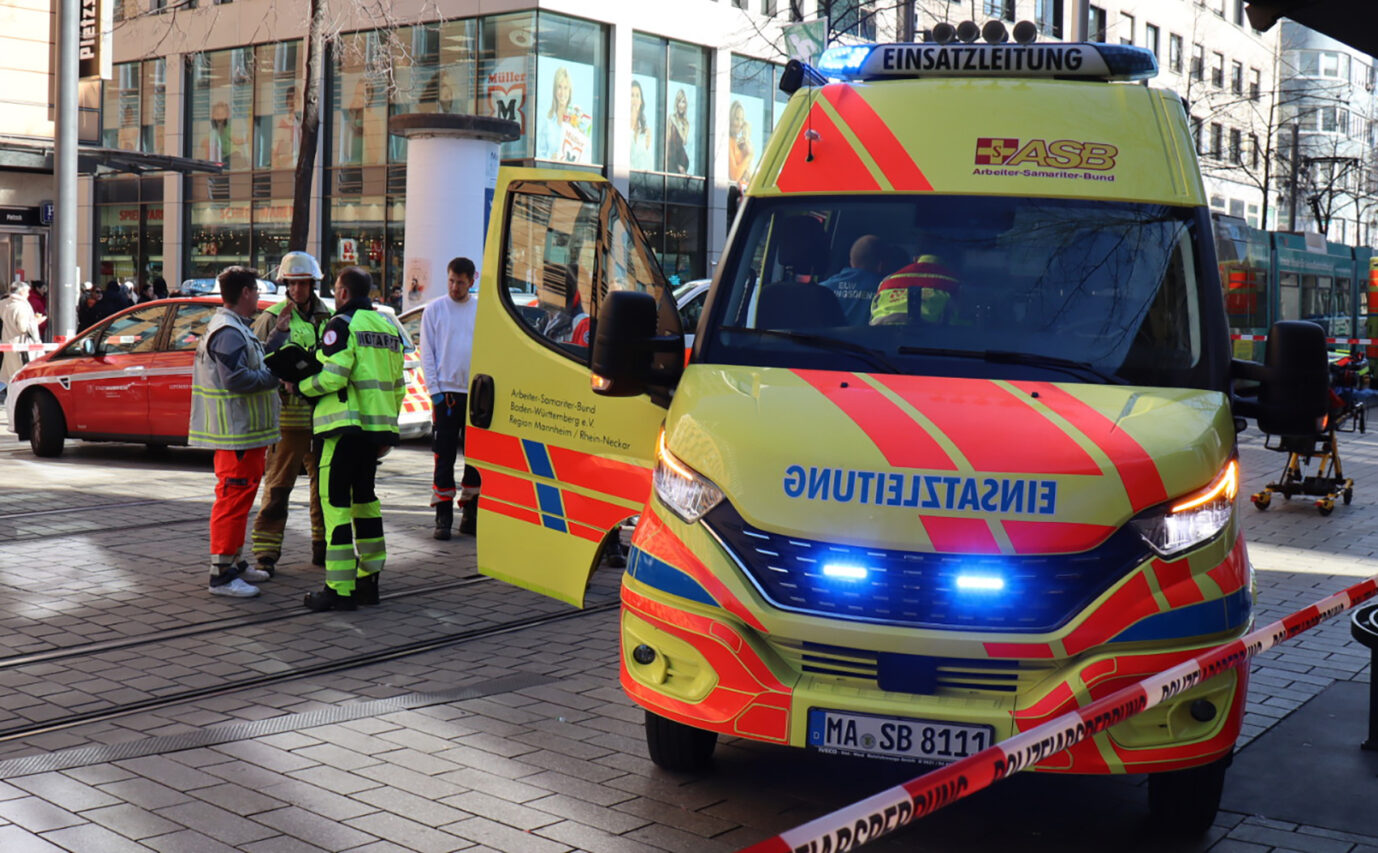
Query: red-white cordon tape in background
x=36, y=347
x=1261, y=338
x=850, y=827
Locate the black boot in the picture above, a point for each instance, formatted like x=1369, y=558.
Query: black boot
x=444, y=518
x=318, y=552
x=329, y=599
x=366, y=589
x=468, y=517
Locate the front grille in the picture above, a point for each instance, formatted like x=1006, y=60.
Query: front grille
x=919, y=589
x=901, y=673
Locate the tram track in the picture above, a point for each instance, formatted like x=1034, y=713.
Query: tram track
x=74, y=720
x=210, y=627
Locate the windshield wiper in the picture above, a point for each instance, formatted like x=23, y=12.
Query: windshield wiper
x=875, y=356
x=994, y=356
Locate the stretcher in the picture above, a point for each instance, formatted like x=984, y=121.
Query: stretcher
x=1350, y=397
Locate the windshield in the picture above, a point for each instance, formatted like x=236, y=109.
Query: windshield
x=1062, y=289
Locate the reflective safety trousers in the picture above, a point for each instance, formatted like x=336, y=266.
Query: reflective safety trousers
x=360, y=386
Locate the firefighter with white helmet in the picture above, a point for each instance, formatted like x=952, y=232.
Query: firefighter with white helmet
x=299, y=319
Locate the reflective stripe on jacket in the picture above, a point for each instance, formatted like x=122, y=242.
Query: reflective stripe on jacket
x=360, y=386
x=296, y=409
x=223, y=419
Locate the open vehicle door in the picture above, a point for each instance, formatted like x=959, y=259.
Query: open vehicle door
x=562, y=467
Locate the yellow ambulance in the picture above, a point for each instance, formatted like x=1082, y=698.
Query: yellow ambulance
x=953, y=451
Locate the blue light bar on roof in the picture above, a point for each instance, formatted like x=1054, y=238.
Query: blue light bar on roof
x=1091, y=61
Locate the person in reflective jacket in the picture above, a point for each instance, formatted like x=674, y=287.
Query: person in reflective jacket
x=358, y=395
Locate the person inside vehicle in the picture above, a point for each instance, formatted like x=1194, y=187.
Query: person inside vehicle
x=870, y=260
x=920, y=292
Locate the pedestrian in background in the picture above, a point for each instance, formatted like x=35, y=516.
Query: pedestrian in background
x=86, y=309
x=18, y=325
x=112, y=302
x=298, y=319
x=38, y=298
x=359, y=393
x=234, y=409
x=447, y=341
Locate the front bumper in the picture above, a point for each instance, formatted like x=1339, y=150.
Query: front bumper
x=727, y=662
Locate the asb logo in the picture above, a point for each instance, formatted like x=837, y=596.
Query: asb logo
x=1057, y=154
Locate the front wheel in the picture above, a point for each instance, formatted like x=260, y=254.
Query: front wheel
x=1185, y=802
x=47, y=426
x=675, y=746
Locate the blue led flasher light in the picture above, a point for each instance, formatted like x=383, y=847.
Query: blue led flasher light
x=980, y=583
x=844, y=571
x=1127, y=62
x=843, y=60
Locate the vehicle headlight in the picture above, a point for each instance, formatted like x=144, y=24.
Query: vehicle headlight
x=1176, y=526
x=681, y=488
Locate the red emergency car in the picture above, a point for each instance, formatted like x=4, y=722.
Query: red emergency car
x=126, y=378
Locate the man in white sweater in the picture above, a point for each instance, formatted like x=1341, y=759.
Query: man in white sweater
x=447, y=340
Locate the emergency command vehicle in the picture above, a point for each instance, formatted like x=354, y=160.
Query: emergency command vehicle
x=953, y=451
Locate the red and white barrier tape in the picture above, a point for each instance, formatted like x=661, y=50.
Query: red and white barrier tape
x=1262, y=338
x=850, y=827
x=38, y=347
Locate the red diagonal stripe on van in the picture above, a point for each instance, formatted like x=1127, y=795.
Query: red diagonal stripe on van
x=1139, y=473
x=494, y=448
x=828, y=164
x=591, y=511
x=882, y=144
x=519, y=513
x=1053, y=537
x=656, y=539
x=1233, y=572
x=601, y=474
x=959, y=535
x=1177, y=583
x=1123, y=608
x=902, y=442
x=994, y=430
x=502, y=486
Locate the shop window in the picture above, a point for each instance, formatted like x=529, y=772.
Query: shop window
x=277, y=106
x=571, y=67
x=507, y=74
x=222, y=107
x=435, y=76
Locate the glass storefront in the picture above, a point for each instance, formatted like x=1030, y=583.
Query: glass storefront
x=570, y=101
x=120, y=124
x=669, y=151
x=129, y=230
x=221, y=114
x=756, y=102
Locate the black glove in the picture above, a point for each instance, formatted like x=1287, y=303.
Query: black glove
x=292, y=363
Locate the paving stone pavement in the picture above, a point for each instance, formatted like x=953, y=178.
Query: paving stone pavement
x=519, y=742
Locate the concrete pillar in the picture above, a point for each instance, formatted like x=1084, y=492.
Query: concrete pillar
x=452, y=170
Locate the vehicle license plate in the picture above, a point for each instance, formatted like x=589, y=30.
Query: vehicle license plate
x=894, y=737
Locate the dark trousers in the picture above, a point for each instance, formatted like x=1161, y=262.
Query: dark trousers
x=447, y=439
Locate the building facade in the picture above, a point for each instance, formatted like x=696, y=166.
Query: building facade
x=672, y=101
x=644, y=93
x=1328, y=114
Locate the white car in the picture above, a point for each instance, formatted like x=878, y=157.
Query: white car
x=690, y=298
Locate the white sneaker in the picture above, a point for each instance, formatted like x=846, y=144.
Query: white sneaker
x=253, y=574
x=236, y=588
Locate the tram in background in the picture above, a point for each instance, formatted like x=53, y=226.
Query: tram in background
x=1271, y=275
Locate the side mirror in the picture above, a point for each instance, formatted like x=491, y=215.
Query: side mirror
x=625, y=344
x=1294, y=380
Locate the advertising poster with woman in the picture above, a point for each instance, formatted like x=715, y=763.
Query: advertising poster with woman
x=681, y=136
x=643, y=124
x=564, y=125
x=746, y=137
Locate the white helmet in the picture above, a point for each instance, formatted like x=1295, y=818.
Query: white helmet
x=299, y=265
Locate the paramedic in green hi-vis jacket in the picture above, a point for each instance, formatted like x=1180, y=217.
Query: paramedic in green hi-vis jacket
x=357, y=394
